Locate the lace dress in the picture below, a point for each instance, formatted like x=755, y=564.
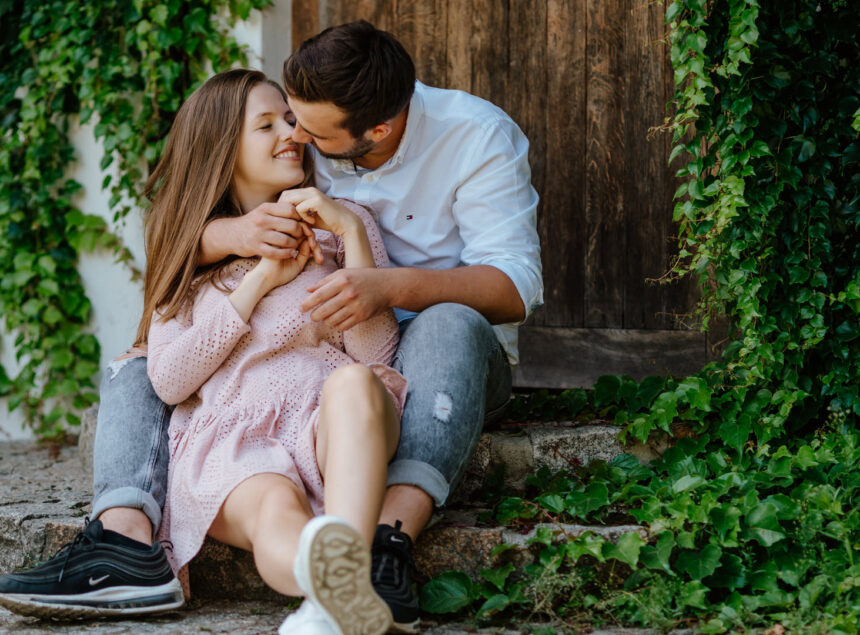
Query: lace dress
x=248, y=394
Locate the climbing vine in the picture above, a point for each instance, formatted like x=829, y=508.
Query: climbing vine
x=124, y=66
x=752, y=519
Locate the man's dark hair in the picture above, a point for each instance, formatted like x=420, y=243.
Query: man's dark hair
x=363, y=71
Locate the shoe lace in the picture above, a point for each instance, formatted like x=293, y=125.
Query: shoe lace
x=80, y=538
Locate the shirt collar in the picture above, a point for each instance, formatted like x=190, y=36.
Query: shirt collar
x=413, y=122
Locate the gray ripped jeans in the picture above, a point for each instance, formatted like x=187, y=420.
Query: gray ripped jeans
x=449, y=354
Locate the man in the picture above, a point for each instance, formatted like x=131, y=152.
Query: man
x=447, y=175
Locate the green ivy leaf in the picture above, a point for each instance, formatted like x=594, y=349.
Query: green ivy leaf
x=699, y=564
x=657, y=556
x=492, y=606
x=497, y=577
x=447, y=593
x=626, y=549
x=588, y=544
x=763, y=525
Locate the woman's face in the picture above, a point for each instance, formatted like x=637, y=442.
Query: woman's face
x=268, y=160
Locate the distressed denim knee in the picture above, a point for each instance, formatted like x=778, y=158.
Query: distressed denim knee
x=457, y=371
x=130, y=453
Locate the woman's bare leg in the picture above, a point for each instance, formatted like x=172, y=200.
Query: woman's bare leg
x=265, y=515
x=357, y=436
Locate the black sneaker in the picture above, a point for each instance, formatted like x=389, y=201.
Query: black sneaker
x=392, y=573
x=100, y=573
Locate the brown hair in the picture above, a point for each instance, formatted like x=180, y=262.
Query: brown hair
x=360, y=69
x=190, y=186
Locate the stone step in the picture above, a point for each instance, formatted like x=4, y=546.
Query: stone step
x=43, y=500
x=250, y=617
x=518, y=450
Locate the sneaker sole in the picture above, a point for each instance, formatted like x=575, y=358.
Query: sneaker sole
x=109, y=602
x=340, y=581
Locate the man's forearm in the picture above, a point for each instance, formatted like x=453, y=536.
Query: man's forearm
x=217, y=242
x=481, y=287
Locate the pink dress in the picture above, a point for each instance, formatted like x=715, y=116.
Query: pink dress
x=249, y=393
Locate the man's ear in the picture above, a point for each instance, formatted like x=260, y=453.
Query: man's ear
x=380, y=131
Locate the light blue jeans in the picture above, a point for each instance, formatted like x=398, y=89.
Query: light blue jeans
x=449, y=354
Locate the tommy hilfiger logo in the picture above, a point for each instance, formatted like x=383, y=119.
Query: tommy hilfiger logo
x=409, y=217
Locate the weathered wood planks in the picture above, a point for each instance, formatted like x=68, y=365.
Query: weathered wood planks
x=585, y=80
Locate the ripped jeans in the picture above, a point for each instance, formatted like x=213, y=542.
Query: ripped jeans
x=449, y=354
x=458, y=376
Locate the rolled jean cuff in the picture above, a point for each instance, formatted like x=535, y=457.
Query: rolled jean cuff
x=419, y=474
x=129, y=497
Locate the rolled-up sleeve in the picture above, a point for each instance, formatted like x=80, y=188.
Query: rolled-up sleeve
x=496, y=210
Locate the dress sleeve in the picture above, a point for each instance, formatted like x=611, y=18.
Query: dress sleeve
x=183, y=354
x=373, y=341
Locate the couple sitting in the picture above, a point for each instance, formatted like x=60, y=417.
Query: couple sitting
x=268, y=323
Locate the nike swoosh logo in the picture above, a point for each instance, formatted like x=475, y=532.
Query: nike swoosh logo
x=395, y=539
x=97, y=580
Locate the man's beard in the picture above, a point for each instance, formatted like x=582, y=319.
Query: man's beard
x=358, y=149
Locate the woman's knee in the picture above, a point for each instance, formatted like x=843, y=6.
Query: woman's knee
x=354, y=402
x=354, y=386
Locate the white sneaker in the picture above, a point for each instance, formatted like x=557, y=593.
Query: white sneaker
x=309, y=619
x=332, y=567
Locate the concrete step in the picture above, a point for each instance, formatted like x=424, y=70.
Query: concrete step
x=44, y=497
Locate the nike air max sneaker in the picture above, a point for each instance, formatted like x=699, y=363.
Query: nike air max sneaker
x=393, y=574
x=98, y=574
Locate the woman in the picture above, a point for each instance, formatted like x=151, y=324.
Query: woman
x=270, y=404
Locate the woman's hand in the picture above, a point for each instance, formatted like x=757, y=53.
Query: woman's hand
x=278, y=271
x=317, y=209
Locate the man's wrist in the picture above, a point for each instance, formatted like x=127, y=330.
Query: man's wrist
x=214, y=246
x=392, y=279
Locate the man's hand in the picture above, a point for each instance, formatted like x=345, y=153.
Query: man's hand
x=271, y=230
x=347, y=297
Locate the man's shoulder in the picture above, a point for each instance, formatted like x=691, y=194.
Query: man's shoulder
x=452, y=107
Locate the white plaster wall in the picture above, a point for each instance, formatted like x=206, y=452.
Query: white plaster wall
x=116, y=300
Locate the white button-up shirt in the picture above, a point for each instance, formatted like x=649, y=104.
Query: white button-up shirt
x=457, y=192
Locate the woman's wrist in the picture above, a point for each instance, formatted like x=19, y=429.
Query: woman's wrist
x=255, y=284
x=351, y=227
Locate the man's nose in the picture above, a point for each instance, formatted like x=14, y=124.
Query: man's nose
x=300, y=135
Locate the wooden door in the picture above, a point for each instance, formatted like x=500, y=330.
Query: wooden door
x=587, y=81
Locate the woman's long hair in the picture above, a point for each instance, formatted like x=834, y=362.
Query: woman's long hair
x=190, y=186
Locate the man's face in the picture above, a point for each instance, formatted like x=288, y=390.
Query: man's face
x=319, y=123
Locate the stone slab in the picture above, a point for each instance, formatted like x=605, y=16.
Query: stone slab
x=245, y=618
x=44, y=496
x=556, y=445
x=518, y=450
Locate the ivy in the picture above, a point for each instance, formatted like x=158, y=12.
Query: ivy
x=752, y=513
x=124, y=66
